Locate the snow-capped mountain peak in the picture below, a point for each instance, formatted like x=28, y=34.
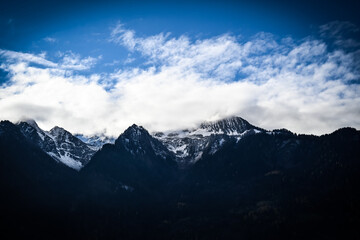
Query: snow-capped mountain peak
x=189, y=144
x=58, y=131
x=31, y=125
x=136, y=133
x=31, y=122
x=228, y=126
x=58, y=143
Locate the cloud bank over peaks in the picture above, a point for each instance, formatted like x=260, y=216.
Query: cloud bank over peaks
x=302, y=85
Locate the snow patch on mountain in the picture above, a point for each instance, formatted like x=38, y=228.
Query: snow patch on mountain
x=67, y=160
x=189, y=145
x=58, y=143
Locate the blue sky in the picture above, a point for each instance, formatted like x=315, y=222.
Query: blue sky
x=172, y=64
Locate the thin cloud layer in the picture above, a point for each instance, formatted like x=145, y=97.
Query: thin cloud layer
x=273, y=83
x=68, y=60
x=50, y=39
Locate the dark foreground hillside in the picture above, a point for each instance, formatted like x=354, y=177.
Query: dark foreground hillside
x=265, y=186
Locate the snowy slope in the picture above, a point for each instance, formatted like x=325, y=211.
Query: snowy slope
x=59, y=144
x=189, y=145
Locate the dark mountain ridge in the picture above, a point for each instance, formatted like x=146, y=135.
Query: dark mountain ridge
x=248, y=183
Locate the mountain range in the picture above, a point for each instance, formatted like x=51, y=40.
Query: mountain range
x=185, y=146
x=225, y=179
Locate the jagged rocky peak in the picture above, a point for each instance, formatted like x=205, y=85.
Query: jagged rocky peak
x=31, y=122
x=133, y=136
x=31, y=130
x=60, y=144
x=7, y=126
x=135, y=132
x=70, y=146
x=55, y=131
x=138, y=141
x=230, y=126
x=188, y=145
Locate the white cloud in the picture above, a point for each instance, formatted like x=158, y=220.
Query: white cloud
x=68, y=61
x=12, y=56
x=75, y=62
x=302, y=86
x=50, y=39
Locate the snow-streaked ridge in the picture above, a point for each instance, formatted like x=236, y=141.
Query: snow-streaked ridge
x=59, y=144
x=188, y=145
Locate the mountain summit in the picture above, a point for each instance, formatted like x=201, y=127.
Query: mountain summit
x=230, y=126
x=60, y=144
x=138, y=141
x=190, y=144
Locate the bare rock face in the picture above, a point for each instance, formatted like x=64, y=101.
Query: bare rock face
x=189, y=145
x=60, y=144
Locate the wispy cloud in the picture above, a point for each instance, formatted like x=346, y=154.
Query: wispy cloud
x=341, y=32
x=74, y=61
x=300, y=85
x=13, y=57
x=337, y=28
x=50, y=39
x=67, y=61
